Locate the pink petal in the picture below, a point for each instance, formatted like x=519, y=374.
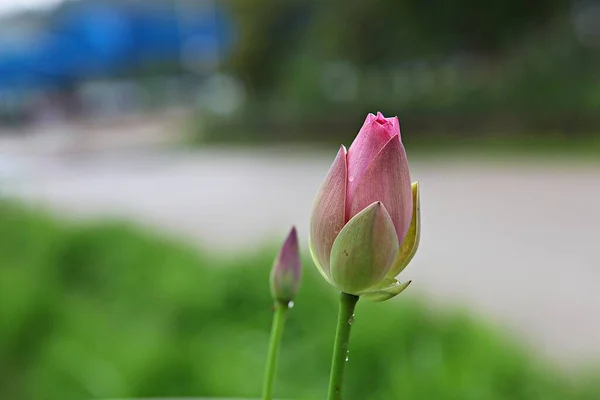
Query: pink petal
x=372, y=137
x=395, y=126
x=370, y=118
x=327, y=218
x=393, y=121
x=387, y=179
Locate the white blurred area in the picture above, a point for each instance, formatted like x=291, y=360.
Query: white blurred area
x=9, y=6
x=512, y=239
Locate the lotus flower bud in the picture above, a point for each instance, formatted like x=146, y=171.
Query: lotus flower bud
x=365, y=223
x=287, y=270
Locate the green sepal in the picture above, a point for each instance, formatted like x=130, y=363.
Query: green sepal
x=383, y=293
x=410, y=244
x=364, y=250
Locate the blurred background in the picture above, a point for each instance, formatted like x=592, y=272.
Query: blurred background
x=153, y=154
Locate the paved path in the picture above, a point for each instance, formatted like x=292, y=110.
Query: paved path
x=519, y=243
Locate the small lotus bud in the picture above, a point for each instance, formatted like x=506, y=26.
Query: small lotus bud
x=287, y=270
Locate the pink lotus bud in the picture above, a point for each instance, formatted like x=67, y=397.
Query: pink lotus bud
x=372, y=175
x=287, y=270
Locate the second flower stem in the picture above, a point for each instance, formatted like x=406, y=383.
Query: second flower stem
x=274, y=344
x=340, y=347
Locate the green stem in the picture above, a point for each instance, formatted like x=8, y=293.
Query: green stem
x=274, y=344
x=340, y=347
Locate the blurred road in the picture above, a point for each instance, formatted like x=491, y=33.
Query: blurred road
x=516, y=241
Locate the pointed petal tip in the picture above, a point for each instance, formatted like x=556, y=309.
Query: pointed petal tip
x=293, y=235
x=291, y=242
x=396, y=125
x=375, y=207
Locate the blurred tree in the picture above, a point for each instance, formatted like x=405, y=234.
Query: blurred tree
x=269, y=31
x=378, y=31
x=449, y=64
x=481, y=26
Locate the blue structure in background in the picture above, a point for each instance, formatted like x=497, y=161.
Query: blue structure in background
x=94, y=38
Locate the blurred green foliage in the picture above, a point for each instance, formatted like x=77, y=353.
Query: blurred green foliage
x=463, y=68
x=106, y=310
x=376, y=32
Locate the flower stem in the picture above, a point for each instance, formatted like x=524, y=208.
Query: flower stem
x=281, y=309
x=340, y=347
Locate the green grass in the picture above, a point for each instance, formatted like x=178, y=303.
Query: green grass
x=107, y=310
